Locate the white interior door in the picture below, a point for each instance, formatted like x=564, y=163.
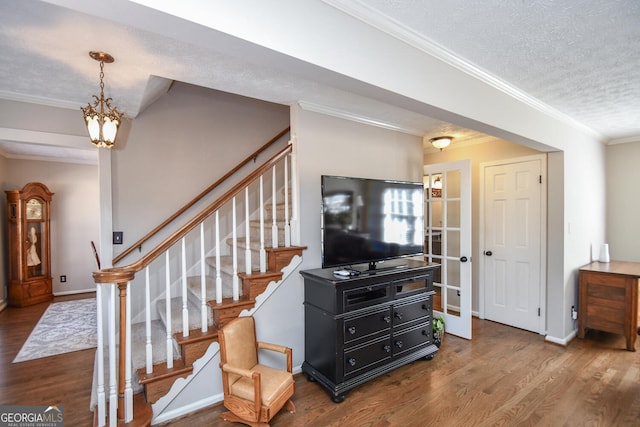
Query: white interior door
x=448, y=241
x=512, y=243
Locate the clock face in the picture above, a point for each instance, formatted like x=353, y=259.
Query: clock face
x=34, y=209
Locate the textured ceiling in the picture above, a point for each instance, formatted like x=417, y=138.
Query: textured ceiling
x=578, y=59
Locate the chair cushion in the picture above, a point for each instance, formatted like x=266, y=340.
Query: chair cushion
x=273, y=383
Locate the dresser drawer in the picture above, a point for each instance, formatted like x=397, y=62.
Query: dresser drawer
x=404, y=314
x=367, y=326
x=367, y=356
x=409, y=339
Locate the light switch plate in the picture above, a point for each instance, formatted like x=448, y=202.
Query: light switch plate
x=117, y=237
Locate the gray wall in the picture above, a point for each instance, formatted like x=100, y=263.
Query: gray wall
x=179, y=146
x=623, y=201
x=4, y=273
x=74, y=217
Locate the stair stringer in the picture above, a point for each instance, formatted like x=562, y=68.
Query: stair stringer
x=206, y=380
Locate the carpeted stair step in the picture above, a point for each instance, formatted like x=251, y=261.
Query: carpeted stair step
x=254, y=227
x=176, y=314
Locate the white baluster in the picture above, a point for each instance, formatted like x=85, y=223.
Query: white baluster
x=147, y=321
x=274, y=225
x=203, y=282
x=263, y=252
x=167, y=298
x=128, y=390
x=287, y=229
x=185, y=307
x=218, y=275
x=113, y=381
x=101, y=398
x=236, y=284
x=247, y=230
x=293, y=222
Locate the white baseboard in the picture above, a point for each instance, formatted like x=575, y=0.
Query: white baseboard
x=188, y=409
x=79, y=291
x=561, y=341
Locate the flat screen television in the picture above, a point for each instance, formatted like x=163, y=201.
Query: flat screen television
x=370, y=220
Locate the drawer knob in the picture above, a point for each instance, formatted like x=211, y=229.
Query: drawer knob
x=352, y=330
x=398, y=315
x=425, y=333
x=352, y=361
x=399, y=344
x=387, y=348
x=425, y=307
x=387, y=319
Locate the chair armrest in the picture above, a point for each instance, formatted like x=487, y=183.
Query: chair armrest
x=280, y=349
x=253, y=376
x=238, y=371
x=273, y=347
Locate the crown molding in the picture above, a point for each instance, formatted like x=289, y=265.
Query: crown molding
x=625, y=140
x=392, y=27
x=348, y=115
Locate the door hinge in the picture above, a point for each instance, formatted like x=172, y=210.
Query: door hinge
x=538, y=311
x=540, y=179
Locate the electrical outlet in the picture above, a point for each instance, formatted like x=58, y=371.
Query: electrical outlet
x=574, y=313
x=63, y=279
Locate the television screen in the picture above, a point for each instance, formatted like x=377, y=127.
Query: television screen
x=369, y=220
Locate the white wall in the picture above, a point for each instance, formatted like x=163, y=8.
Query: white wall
x=623, y=201
x=478, y=153
x=74, y=217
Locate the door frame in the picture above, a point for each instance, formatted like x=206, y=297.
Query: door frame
x=542, y=323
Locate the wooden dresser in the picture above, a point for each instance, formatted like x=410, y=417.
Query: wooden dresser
x=358, y=328
x=608, y=299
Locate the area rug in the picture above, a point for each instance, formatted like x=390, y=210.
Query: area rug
x=65, y=327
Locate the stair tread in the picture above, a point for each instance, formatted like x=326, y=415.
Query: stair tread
x=161, y=371
x=197, y=335
x=229, y=303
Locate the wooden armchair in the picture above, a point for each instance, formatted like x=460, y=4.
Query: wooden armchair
x=253, y=393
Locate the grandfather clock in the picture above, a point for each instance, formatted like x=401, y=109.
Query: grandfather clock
x=28, y=211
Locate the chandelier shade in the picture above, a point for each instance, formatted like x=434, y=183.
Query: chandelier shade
x=102, y=120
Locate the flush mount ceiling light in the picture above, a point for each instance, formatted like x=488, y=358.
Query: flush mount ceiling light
x=101, y=118
x=441, y=142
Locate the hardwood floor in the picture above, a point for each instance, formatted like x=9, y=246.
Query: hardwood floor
x=59, y=380
x=505, y=376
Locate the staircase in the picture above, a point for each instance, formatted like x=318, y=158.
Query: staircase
x=208, y=272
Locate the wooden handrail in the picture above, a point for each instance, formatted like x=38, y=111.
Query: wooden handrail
x=217, y=204
x=199, y=197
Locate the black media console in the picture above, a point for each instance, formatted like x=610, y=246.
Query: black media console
x=360, y=327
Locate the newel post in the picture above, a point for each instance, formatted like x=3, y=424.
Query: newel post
x=121, y=278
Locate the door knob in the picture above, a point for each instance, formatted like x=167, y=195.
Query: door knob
x=488, y=253
x=464, y=259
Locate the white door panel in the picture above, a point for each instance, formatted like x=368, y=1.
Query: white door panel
x=448, y=241
x=513, y=221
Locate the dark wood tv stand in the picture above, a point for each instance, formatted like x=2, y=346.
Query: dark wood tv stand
x=360, y=327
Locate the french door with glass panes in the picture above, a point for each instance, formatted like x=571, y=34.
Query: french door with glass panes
x=448, y=241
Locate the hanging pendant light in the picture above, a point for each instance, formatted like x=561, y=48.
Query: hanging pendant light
x=101, y=118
